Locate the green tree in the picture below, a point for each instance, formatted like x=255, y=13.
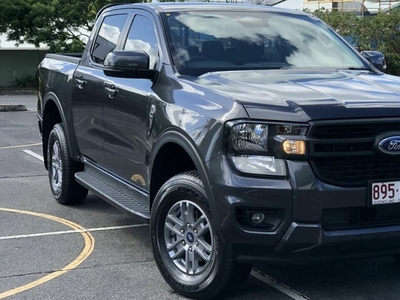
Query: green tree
x=61, y=24
x=380, y=32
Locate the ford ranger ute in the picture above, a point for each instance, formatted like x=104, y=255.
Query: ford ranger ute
x=242, y=133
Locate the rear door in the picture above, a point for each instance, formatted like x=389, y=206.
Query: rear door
x=88, y=86
x=127, y=108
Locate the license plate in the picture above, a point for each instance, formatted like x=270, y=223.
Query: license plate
x=385, y=192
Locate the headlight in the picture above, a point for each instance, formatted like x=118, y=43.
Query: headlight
x=251, y=147
x=249, y=138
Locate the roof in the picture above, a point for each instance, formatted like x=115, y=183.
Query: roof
x=186, y=6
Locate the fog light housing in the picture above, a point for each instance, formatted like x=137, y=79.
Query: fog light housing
x=259, y=219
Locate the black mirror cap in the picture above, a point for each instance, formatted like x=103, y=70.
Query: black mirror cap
x=376, y=58
x=128, y=64
x=127, y=60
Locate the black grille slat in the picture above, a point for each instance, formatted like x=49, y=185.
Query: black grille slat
x=342, y=152
x=352, y=130
x=356, y=170
x=360, y=217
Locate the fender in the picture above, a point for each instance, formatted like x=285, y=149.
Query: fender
x=66, y=120
x=179, y=137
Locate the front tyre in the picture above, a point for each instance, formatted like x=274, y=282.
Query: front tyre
x=62, y=169
x=190, y=255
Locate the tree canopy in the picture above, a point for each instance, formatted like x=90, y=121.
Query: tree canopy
x=61, y=24
x=380, y=32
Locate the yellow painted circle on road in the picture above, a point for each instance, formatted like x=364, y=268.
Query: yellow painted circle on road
x=87, y=250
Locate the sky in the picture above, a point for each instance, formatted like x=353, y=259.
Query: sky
x=293, y=4
x=4, y=44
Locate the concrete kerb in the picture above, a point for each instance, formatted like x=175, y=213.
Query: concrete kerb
x=12, y=107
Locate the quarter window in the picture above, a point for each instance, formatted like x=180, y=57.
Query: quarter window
x=108, y=36
x=142, y=36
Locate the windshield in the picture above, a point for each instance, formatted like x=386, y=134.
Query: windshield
x=201, y=42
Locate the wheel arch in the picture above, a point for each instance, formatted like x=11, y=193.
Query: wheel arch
x=180, y=139
x=54, y=113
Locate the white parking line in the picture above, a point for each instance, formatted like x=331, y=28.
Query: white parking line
x=279, y=286
x=70, y=231
x=39, y=157
x=19, y=146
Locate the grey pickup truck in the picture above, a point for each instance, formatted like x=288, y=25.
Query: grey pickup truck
x=242, y=133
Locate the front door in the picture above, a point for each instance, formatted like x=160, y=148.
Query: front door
x=127, y=110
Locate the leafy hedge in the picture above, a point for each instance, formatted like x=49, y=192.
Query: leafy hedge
x=380, y=32
x=28, y=81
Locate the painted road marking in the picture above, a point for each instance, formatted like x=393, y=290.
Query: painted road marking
x=71, y=231
x=20, y=146
x=87, y=250
x=39, y=157
x=279, y=286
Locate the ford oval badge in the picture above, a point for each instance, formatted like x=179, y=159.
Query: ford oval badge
x=390, y=145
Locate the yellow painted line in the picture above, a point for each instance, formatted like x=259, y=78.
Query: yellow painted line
x=20, y=146
x=87, y=250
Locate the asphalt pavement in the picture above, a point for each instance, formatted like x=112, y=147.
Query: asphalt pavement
x=93, y=251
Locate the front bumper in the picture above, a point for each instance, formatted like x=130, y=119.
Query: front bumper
x=301, y=236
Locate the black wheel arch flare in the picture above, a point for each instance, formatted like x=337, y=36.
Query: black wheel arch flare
x=182, y=139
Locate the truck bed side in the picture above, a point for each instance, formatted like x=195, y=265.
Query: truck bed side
x=55, y=74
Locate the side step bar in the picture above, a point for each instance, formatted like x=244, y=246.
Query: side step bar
x=114, y=191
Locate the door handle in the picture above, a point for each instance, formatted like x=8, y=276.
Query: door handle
x=81, y=82
x=111, y=91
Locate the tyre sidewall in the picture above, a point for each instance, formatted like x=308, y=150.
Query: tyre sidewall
x=57, y=134
x=168, y=195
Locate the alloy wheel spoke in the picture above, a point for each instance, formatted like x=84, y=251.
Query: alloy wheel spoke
x=201, y=219
x=184, y=213
x=190, y=210
x=178, y=253
x=55, y=164
x=175, y=219
x=59, y=177
x=173, y=229
x=204, y=245
x=202, y=254
x=56, y=150
x=174, y=244
x=202, y=231
x=192, y=262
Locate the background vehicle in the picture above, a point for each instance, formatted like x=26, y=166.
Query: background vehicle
x=242, y=133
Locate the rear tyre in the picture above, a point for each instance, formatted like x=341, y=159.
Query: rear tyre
x=193, y=259
x=62, y=169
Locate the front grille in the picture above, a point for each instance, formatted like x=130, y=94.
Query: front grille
x=342, y=153
x=355, y=129
x=360, y=217
x=356, y=171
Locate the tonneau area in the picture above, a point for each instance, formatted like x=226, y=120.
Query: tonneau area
x=74, y=58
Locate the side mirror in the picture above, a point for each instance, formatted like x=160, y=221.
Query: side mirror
x=128, y=64
x=376, y=58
